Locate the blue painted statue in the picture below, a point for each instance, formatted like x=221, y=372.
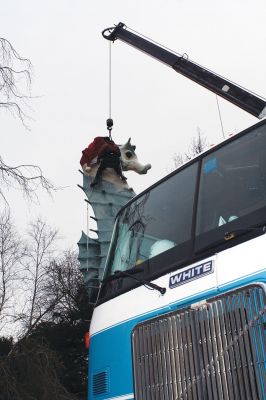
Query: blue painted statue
x=106, y=192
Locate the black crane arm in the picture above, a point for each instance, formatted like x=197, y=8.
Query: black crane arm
x=237, y=95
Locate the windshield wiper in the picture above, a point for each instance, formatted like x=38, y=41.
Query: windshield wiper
x=120, y=274
x=232, y=234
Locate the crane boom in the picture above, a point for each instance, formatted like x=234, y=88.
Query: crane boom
x=237, y=95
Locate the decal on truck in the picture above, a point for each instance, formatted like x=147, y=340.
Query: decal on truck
x=190, y=274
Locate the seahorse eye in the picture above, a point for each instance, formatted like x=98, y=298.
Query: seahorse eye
x=128, y=154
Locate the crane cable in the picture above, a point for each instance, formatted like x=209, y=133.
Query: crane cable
x=110, y=80
x=185, y=55
x=220, y=116
x=109, y=121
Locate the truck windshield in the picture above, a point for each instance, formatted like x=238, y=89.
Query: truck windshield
x=156, y=222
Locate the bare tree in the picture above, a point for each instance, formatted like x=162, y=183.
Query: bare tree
x=15, y=81
x=53, y=288
x=198, y=144
x=69, y=319
x=11, y=253
x=32, y=371
x=64, y=279
x=56, y=303
x=27, y=178
x=39, y=254
x=65, y=289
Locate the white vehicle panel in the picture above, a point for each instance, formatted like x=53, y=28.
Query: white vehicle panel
x=230, y=265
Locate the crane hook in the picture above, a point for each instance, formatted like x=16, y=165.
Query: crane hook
x=109, y=123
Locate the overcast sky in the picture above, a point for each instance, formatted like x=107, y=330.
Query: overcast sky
x=159, y=109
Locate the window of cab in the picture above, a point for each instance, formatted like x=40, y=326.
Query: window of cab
x=232, y=195
x=158, y=221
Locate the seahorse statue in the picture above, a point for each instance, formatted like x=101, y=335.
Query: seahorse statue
x=106, y=199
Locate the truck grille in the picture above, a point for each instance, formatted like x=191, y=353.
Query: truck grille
x=215, y=350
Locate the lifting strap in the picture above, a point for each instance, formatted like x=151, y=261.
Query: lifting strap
x=109, y=121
